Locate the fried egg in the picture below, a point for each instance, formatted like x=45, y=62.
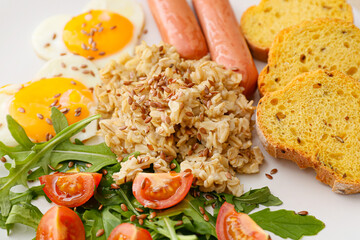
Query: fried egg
x=64, y=82
x=103, y=31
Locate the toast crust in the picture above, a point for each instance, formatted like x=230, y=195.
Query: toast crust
x=325, y=174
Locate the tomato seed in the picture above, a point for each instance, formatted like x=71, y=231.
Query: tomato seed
x=273, y=171
x=100, y=232
x=269, y=176
x=303, y=213
x=124, y=207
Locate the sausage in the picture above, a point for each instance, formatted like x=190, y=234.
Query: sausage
x=178, y=26
x=225, y=40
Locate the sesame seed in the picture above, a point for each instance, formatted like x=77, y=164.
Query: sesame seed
x=100, y=232
x=40, y=116
x=84, y=32
x=228, y=175
x=189, y=114
x=22, y=110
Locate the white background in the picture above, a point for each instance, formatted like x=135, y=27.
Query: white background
x=298, y=189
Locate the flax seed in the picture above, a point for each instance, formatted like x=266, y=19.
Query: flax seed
x=47, y=45
x=104, y=171
x=228, y=175
x=179, y=223
x=303, y=213
x=201, y=209
x=189, y=114
x=57, y=95
x=139, y=210
x=100, y=207
x=40, y=116
x=152, y=215
x=172, y=166
x=269, y=176
x=70, y=164
x=22, y=110
x=48, y=120
x=124, y=207
x=49, y=136
x=88, y=165
x=54, y=103
x=100, y=232
x=206, y=217
x=142, y=216
x=150, y=147
x=114, y=186
x=101, y=53
x=51, y=167
x=64, y=110
x=73, y=82
x=132, y=218
x=90, y=58
x=202, y=130
x=113, y=27
x=63, y=65
x=273, y=171
x=3, y=159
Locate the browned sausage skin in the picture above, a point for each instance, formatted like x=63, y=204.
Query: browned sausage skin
x=225, y=40
x=178, y=26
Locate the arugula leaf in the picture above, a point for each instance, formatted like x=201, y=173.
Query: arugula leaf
x=93, y=222
x=27, y=196
x=287, y=224
x=36, y=157
x=18, y=133
x=26, y=214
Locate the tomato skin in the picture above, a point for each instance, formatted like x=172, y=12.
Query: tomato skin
x=128, y=231
x=230, y=225
x=70, y=189
x=60, y=223
x=161, y=190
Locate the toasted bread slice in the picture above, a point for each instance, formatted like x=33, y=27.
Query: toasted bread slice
x=319, y=44
x=314, y=121
x=261, y=23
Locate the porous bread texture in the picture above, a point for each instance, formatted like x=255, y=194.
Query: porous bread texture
x=329, y=44
x=261, y=23
x=314, y=121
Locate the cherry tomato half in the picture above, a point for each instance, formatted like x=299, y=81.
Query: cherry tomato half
x=161, y=190
x=70, y=189
x=129, y=231
x=60, y=223
x=231, y=225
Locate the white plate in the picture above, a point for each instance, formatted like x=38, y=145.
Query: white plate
x=298, y=189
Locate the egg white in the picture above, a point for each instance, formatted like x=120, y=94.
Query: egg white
x=48, y=47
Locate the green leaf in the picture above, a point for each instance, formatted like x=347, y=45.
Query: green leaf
x=58, y=119
x=93, y=222
x=18, y=173
x=111, y=218
x=272, y=201
x=27, y=196
x=18, y=133
x=26, y=214
x=98, y=155
x=287, y=224
x=177, y=168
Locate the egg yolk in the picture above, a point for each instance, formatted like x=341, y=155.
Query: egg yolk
x=97, y=33
x=31, y=105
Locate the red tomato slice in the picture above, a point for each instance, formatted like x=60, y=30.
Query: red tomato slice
x=161, y=190
x=70, y=189
x=129, y=231
x=60, y=223
x=231, y=225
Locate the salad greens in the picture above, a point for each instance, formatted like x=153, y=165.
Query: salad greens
x=188, y=220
